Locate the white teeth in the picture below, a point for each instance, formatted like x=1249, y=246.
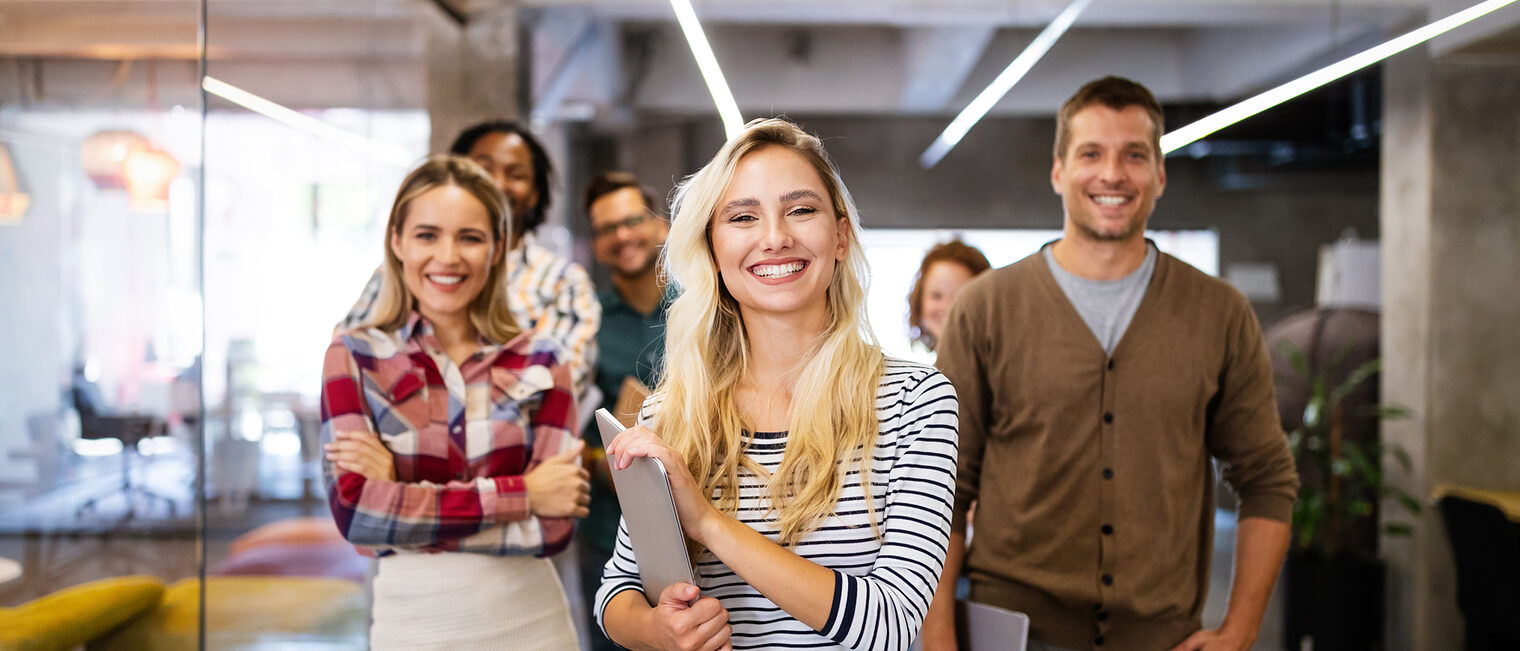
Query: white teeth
x=446, y=280
x=778, y=270
x=1110, y=200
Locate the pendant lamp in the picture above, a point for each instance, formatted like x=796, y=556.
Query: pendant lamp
x=148, y=172
x=103, y=153
x=13, y=202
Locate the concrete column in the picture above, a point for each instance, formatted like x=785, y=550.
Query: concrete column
x=1450, y=215
x=472, y=72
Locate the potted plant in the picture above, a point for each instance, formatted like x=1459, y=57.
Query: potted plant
x=1333, y=588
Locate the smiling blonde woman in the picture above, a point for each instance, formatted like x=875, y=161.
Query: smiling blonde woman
x=451, y=450
x=813, y=475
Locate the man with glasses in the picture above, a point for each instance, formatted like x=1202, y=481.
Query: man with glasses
x=626, y=238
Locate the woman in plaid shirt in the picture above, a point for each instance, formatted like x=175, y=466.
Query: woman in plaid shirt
x=451, y=446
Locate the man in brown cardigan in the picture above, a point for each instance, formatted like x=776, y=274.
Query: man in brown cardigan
x=1097, y=379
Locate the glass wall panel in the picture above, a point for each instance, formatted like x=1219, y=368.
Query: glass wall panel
x=100, y=156
x=314, y=116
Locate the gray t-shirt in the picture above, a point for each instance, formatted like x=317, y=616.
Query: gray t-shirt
x=1105, y=305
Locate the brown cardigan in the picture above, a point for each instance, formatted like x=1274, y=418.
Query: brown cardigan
x=1096, y=506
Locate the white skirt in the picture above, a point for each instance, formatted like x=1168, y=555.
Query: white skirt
x=469, y=601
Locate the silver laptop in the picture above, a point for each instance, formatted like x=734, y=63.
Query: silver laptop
x=988, y=628
x=649, y=510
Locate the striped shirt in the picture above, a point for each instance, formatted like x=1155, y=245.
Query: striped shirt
x=462, y=437
x=883, y=585
x=547, y=294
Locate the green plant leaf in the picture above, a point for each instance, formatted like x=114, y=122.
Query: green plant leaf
x=1402, y=529
x=1306, y=535
x=1402, y=456
x=1389, y=412
x=1308, y=511
x=1313, y=409
x=1341, y=467
x=1409, y=502
x=1355, y=379
x=1295, y=356
x=1364, y=463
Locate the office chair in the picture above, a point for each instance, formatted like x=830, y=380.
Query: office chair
x=96, y=422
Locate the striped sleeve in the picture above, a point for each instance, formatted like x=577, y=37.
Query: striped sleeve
x=885, y=608
x=621, y=573
x=384, y=515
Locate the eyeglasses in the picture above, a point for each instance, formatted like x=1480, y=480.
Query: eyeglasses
x=610, y=228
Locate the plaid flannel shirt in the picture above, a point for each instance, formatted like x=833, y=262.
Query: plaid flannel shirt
x=462, y=439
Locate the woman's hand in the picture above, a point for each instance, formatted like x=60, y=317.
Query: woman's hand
x=361, y=453
x=559, y=487
x=694, y=508
x=700, y=626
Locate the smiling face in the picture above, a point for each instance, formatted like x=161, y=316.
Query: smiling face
x=446, y=251
x=626, y=235
x=509, y=162
x=942, y=282
x=776, y=237
x=1110, y=175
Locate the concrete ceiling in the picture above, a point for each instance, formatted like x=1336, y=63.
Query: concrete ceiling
x=600, y=58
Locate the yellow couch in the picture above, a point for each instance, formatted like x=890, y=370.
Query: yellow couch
x=73, y=616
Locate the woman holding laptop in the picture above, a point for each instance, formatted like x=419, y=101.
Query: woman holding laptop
x=813, y=475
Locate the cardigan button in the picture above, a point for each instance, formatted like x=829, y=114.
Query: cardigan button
x=1110, y=365
x=1108, y=473
x=1098, y=641
x=1102, y=615
x=1108, y=579
x=1107, y=530
x=1108, y=417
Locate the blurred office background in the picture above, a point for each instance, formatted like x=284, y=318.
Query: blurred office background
x=192, y=193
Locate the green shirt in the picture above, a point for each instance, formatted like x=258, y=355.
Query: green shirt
x=630, y=344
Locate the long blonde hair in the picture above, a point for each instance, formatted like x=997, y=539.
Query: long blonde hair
x=489, y=311
x=833, y=408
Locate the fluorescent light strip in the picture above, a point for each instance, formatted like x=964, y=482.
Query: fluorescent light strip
x=303, y=122
x=728, y=109
x=1192, y=132
x=999, y=87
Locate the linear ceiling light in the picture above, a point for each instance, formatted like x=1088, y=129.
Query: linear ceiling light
x=388, y=153
x=999, y=87
x=728, y=109
x=1192, y=132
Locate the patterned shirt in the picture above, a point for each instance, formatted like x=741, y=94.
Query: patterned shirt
x=548, y=294
x=462, y=438
x=882, y=585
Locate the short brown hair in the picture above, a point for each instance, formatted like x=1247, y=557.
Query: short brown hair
x=609, y=182
x=953, y=251
x=1116, y=93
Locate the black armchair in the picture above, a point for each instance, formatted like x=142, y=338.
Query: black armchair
x=1486, y=546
